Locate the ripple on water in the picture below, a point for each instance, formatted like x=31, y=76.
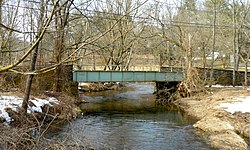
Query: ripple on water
x=112, y=124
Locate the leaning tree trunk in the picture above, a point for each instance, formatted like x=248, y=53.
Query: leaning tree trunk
x=33, y=59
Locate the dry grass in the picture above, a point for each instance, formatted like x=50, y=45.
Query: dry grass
x=16, y=138
x=192, y=84
x=27, y=131
x=25, y=135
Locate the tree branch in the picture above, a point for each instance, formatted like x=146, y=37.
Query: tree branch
x=34, y=44
x=9, y=28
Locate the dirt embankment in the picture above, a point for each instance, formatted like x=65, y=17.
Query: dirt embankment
x=220, y=128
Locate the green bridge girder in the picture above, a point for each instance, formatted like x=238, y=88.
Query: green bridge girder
x=126, y=76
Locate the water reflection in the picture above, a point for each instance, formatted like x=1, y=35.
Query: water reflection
x=131, y=120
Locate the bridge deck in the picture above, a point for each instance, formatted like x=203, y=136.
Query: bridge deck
x=126, y=76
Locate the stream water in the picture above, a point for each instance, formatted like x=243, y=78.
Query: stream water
x=130, y=120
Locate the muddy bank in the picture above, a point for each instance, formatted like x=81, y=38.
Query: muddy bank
x=220, y=128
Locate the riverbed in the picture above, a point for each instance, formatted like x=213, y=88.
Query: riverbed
x=130, y=120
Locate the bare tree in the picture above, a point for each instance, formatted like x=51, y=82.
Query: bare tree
x=61, y=21
x=243, y=37
x=234, y=43
x=214, y=39
x=33, y=45
x=33, y=58
x=117, y=46
x=6, y=36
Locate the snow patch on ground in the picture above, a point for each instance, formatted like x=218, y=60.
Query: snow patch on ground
x=83, y=84
x=14, y=103
x=223, y=86
x=241, y=104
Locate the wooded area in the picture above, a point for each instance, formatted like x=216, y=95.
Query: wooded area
x=41, y=36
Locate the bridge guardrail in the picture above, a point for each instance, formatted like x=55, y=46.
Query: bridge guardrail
x=119, y=67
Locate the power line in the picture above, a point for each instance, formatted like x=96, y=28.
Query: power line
x=138, y=19
x=160, y=4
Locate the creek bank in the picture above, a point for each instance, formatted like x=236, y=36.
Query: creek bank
x=27, y=131
x=57, y=107
x=65, y=109
x=222, y=130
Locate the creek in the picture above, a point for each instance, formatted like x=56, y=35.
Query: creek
x=130, y=120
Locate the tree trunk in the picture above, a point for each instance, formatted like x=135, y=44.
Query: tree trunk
x=234, y=43
x=190, y=55
x=129, y=59
x=33, y=63
x=61, y=20
x=246, y=70
x=213, y=49
x=204, y=60
x=1, y=31
x=58, y=51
